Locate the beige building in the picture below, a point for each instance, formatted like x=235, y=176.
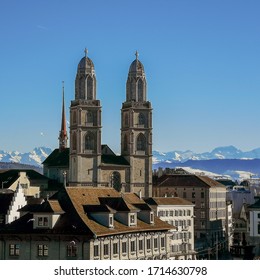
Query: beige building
x=86, y=223
x=209, y=198
x=32, y=182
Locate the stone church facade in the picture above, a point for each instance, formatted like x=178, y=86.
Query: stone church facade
x=93, y=164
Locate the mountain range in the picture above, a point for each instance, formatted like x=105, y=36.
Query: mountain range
x=226, y=160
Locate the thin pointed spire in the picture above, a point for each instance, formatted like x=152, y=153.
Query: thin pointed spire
x=63, y=132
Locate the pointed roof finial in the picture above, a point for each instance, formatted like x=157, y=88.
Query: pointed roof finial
x=136, y=55
x=86, y=52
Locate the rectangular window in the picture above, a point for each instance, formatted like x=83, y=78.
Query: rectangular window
x=133, y=249
x=184, y=195
x=171, y=213
x=155, y=243
x=14, y=250
x=202, y=214
x=111, y=221
x=96, y=250
x=124, y=247
x=151, y=217
x=43, y=221
x=132, y=219
x=188, y=212
x=141, y=245
x=106, y=251
x=43, y=250
x=258, y=228
x=162, y=242
x=71, y=250
x=40, y=221
x=202, y=195
x=115, y=248
x=193, y=194
x=148, y=244
x=258, y=215
x=202, y=205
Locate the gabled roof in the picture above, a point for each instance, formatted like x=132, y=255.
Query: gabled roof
x=58, y=158
x=11, y=175
x=76, y=203
x=49, y=206
x=81, y=196
x=117, y=203
x=185, y=180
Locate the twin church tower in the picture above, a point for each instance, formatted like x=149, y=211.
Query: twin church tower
x=95, y=165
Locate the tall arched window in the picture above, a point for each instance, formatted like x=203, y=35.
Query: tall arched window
x=116, y=181
x=126, y=119
x=89, y=88
x=141, y=142
x=140, y=90
x=89, y=117
x=81, y=88
x=74, y=141
x=141, y=119
x=89, y=141
x=74, y=117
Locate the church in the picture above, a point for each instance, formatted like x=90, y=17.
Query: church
x=89, y=163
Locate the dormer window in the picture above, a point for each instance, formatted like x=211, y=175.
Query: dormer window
x=111, y=221
x=43, y=221
x=151, y=217
x=132, y=219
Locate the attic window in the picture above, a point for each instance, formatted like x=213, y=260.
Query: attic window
x=132, y=219
x=151, y=217
x=43, y=221
x=111, y=221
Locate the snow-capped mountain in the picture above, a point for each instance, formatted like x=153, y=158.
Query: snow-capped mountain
x=35, y=157
x=228, y=152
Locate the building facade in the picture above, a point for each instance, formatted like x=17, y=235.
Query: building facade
x=177, y=212
x=209, y=198
x=86, y=223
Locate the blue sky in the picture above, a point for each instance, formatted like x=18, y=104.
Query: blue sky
x=202, y=63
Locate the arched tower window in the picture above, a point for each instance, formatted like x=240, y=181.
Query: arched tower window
x=74, y=141
x=81, y=87
x=89, y=117
x=116, y=181
x=141, y=119
x=132, y=90
x=141, y=142
x=74, y=117
x=125, y=143
x=140, y=90
x=89, y=141
x=126, y=119
x=89, y=88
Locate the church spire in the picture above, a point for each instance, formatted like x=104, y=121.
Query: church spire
x=63, y=132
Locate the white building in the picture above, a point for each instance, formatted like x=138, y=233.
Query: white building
x=177, y=212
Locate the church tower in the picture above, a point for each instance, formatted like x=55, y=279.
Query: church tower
x=136, y=131
x=85, y=128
